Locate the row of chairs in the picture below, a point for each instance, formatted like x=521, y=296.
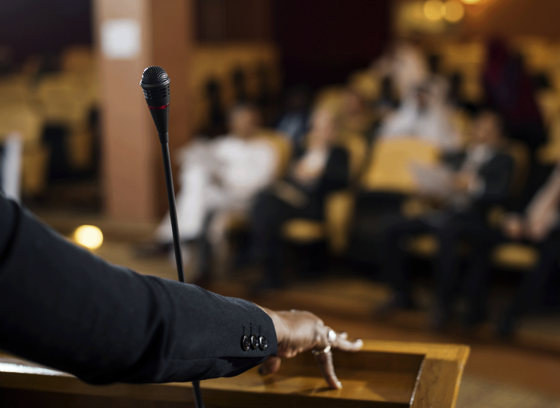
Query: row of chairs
x=31, y=101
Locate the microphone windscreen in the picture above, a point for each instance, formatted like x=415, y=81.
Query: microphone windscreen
x=154, y=75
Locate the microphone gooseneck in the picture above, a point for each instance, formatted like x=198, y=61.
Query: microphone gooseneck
x=155, y=84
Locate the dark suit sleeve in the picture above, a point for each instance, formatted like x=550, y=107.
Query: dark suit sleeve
x=63, y=307
x=337, y=171
x=497, y=176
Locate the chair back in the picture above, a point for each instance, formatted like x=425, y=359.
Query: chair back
x=389, y=163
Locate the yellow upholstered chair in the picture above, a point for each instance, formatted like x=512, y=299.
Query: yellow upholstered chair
x=66, y=99
x=16, y=89
x=78, y=59
x=283, y=147
x=25, y=120
x=389, y=166
x=550, y=153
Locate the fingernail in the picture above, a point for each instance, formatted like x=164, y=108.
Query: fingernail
x=339, y=385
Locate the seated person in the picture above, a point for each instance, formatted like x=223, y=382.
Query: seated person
x=538, y=225
x=220, y=176
x=476, y=180
x=319, y=169
x=426, y=115
x=356, y=115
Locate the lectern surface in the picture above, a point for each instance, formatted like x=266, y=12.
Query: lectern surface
x=384, y=374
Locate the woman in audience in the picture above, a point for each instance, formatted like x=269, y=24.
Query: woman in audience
x=318, y=169
x=470, y=184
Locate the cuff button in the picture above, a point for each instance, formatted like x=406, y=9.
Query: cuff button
x=254, y=342
x=263, y=343
x=245, y=343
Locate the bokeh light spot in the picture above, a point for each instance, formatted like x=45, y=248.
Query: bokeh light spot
x=89, y=236
x=454, y=11
x=434, y=10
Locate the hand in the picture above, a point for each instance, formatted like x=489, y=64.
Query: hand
x=513, y=226
x=464, y=181
x=537, y=230
x=298, y=332
x=304, y=174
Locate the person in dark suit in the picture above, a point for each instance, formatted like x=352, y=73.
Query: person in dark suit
x=321, y=168
x=63, y=307
x=538, y=224
x=480, y=178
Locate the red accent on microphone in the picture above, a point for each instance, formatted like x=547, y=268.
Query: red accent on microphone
x=158, y=107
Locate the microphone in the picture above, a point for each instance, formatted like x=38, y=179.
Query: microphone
x=155, y=84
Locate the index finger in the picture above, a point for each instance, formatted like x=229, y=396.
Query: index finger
x=325, y=362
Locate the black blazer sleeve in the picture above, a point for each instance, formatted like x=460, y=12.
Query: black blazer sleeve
x=64, y=307
x=337, y=171
x=497, y=175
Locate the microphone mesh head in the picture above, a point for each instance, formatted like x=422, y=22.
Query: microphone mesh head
x=154, y=75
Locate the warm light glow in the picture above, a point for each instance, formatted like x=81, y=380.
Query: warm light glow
x=470, y=1
x=453, y=11
x=434, y=10
x=89, y=236
x=418, y=11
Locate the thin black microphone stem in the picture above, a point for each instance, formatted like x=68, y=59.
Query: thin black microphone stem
x=177, y=241
x=173, y=210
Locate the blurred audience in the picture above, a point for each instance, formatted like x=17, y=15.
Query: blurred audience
x=233, y=170
x=468, y=184
x=218, y=178
x=509, y=89
x=317, y=169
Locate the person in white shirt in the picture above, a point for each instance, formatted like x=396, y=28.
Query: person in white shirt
x=424, y=115
x=220, y=177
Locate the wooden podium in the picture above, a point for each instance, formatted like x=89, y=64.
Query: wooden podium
x=384, y=374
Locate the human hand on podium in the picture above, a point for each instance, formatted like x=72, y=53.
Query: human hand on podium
x=299, y=331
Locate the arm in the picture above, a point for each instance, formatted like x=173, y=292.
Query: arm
x=63, y=307
x=495, y=179
x=337, y=171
